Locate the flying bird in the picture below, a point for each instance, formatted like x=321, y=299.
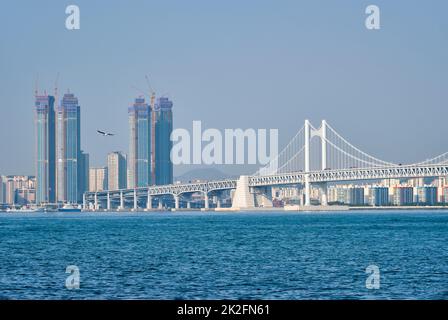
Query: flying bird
x=104, y=133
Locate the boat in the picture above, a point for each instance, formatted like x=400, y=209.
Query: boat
x=69, y=208
x=25, y=210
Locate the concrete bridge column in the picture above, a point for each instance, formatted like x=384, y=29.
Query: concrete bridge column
x=160, y=204
x=188, y=205
x=323, y=194
x=307, y=190
x=243, y=198
x=121, y=200
x=84, y=203
x=206, y=205
x=95, y=205
x=218, y=203
x=176, y=201
x=149, y=202
x=135, y=200
x=108, y=201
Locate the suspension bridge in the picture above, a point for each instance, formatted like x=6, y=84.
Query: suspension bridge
x=314, y=157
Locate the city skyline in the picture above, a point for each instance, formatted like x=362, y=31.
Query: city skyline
x=214, y=73
x=63, y=170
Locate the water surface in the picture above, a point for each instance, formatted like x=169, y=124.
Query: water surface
x=225, y=255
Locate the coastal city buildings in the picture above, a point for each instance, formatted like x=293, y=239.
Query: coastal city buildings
x=98, y=179
x=61, y=165
x=45, y=148
x=63, y=170
x=139, y=161
x=17, y=190
x=402, y=195
x=116, y=170
x=68, y=149
x=2, y=190
x=426, y=195
x=83, y=174
x=163, y=115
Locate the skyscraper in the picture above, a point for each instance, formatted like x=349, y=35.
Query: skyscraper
x=68, y=149
x=163, y=127
x=2, y=190
x=45, y=149
x=83, y=174
x=139, y=162
x=116, y=171
x=97, y=179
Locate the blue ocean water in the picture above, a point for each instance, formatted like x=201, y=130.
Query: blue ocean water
x=225, y=255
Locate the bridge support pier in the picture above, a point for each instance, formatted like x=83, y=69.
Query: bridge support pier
x=176, y=201
x=160, y=204
x=149, y=202
x=188, y=205
x=95, y=205
x=135, y=200
x=206, y=200
x=121, y=200
x=84, y=203
x=307, y=190
x=243, y=198
x=323, y=194
x=108, y=201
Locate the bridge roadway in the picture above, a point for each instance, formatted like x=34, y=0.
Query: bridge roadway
x=281, y=179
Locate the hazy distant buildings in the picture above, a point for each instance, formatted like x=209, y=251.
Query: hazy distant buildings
x=379, y=196
x=445, y=194
x=349, y=195
x=426, y=195
x=402, y=195
x=163, y=127
x=97, y=179
x=2, y=190
x=139, y=161
x=356, y=196
x=116, y=170
x=45, y=149
x=68, y=149
x=17, y=190
x=83, y=174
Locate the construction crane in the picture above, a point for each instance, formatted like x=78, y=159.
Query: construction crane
x=56, y=82
x=141, y=91
x=151, y=91
x=36, y=86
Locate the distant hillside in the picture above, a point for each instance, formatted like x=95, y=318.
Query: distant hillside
x=203, y=174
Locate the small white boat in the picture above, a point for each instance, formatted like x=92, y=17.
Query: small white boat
x=69, y=208
x=25, y=210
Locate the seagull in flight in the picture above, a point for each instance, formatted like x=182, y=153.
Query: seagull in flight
x=104, y=133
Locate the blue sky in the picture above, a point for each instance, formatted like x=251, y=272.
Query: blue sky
x=231, y=64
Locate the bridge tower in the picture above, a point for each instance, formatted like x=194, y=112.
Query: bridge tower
x=323, y=139
x=310, y=132
x=307, y=129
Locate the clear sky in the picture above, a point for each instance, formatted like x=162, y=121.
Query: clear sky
x=248, y=64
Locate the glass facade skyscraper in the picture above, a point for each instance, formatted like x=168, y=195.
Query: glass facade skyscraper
x=139, y=162
x=68, y=149
x=83, y=175
x=163, y=121
x=45, y=149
